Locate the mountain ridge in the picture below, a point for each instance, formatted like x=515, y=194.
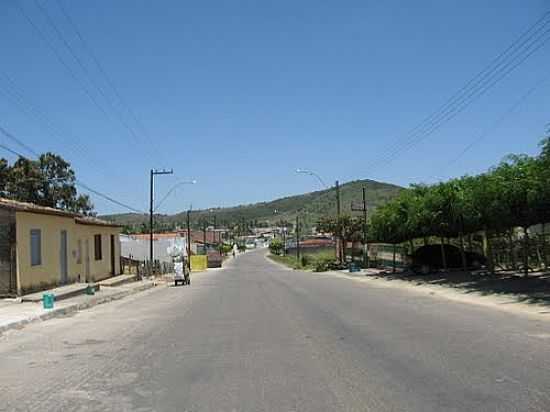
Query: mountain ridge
x=310, y=205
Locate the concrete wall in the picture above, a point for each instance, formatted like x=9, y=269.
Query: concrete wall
x=139, y=248
x=48, y=273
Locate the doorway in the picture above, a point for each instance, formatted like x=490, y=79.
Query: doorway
x=113, y=272
x=87, y=260
x=63, y=258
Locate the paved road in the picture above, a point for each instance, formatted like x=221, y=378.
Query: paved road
x=257, y=337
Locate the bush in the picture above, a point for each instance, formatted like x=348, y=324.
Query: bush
x=276, y=246
x=306, y=260
x=225, y=248
x=324, y=263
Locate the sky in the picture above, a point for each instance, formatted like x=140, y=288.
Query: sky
x=238, y=94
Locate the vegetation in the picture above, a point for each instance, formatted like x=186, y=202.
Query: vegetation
x=280, y=212
x=276, y=246
x=48, y=181
x=225, y=248
x=514, y=194
x=319, y=261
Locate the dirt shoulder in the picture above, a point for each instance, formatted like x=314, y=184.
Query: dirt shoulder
x=508, y=292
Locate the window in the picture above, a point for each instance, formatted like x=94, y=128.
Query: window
x=97, y=247
x=36, y=247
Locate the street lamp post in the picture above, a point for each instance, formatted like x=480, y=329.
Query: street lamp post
x=339, y=253
x=178, y=184
x=312, y=173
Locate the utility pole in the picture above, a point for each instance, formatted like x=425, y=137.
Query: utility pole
x=204, y=223
x=339, y=244
x=151, y=208
x=297, y=241
x=365, y=246
x=284, y=241
x=188, y=241
x=215, y=224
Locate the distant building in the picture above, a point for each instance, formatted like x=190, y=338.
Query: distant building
x=43, y=247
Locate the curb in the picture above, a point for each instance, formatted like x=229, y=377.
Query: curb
x=67, y=310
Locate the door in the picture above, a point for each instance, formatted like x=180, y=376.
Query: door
x=113, y=272
x=87, y=260
x=63, y=258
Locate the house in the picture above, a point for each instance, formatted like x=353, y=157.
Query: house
x=42, y=247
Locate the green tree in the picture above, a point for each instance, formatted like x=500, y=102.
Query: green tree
x=276, y=246
x=48, y=181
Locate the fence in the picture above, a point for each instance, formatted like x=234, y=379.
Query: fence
x=144, y=267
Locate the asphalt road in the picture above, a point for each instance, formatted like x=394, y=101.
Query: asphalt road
x=257, y=337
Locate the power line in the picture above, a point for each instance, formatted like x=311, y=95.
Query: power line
x=496, y=124
x=65, y=64
x=466, y=93
x=13, y=152
x=81, y=64
x=522, y=48
x=18, y=141
x=33, y=111
x=77, y=181
x=107, y=78
x=453, y=111
x=106, y=197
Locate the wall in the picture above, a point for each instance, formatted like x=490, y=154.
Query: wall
x=139, y=248
x=48, y=273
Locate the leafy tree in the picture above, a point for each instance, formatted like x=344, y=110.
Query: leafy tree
x=48, y=181
x=4, y=173
x=276, y=246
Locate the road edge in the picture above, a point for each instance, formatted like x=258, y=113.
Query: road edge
x=75, y=307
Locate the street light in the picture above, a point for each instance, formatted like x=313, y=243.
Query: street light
x=311, y=173
x=178, y=184
x=337, y=187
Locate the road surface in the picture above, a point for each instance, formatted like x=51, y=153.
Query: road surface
x=258, y=337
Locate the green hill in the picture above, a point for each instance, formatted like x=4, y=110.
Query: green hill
x=311, y=206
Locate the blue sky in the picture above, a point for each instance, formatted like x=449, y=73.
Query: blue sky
x=238, y=94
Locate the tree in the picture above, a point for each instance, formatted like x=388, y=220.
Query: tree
x=276, y=246
x=4, y=173
x=49, y=181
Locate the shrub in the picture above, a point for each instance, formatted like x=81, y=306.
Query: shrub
x=276, y=246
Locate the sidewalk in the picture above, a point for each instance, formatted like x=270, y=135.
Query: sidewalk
x=15, y=314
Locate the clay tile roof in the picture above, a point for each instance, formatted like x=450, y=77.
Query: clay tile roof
x=45, y=210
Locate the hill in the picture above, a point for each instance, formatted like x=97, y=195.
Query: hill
x=311, y=205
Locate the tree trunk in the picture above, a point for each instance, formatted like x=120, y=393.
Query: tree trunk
x=425, y=241
x=394, y=247
x=470, y=243
x=512, y=250
x=411, y=244
x=488, y=251
x=462, y=254
x=544, y=254
x=525, y=252
x=443, y=257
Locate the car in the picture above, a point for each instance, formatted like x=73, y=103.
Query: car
x=429, y=258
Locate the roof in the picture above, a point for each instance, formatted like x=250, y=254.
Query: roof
x=26, y=207
x=156, y=236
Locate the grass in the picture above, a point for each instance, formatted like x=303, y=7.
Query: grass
x=287, y=260
x=308, y=261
